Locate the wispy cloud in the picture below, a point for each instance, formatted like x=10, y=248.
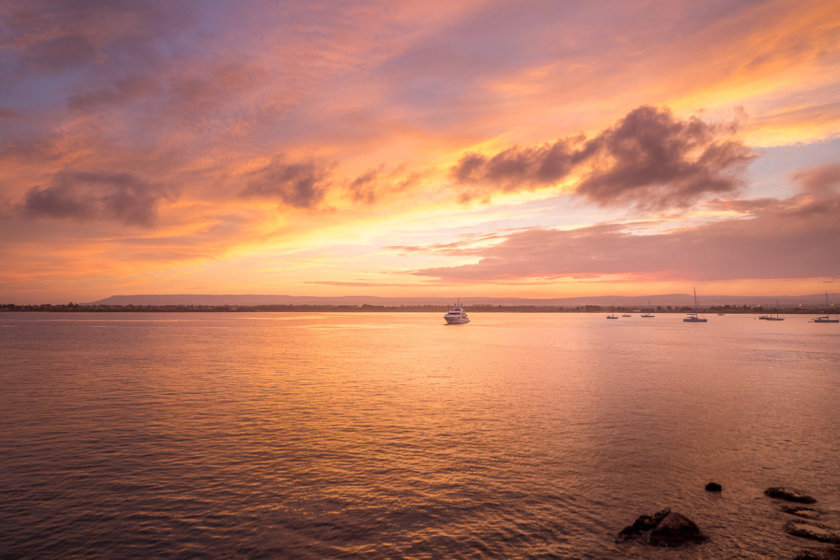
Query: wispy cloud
x=772, y=238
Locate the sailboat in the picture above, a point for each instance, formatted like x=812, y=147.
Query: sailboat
x=775, y=317
x=647, y=314
x=612, y=314
x=826, y=318
x=693, y=317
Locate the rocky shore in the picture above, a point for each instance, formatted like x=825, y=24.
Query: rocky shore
x=667, y=528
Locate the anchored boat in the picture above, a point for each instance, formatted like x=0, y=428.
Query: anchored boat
x=826, y=318
x=456, y=315
x=693, y=317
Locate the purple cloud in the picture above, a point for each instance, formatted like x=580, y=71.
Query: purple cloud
x=49, y=36
x=790, y=240
x=298, y=184
x=649, y=160
x=59, y=53
x=119, y=91
x=87, y=196
x=820, y=181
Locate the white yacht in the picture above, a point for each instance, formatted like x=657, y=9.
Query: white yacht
x=456, y=315
x=693, y=317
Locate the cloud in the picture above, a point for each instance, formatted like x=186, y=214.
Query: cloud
x=652, y=160
x=304, y=184
x=59, y=53
x=517, y=168
x=463, y=246
x=298, y=184
x=8, y=114
x=121, y=90
x=649, y=160
x=363, y=187
x=821, y=181
x=50, y=36
x=96, y=196
x=352, y=284
x=376, y=184
x=792, y=239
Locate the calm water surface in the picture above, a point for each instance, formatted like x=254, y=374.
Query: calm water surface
x=394, y=436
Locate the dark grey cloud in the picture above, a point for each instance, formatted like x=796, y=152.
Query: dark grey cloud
x=517, y=168
x=86, y=196
x=792, y=239
x=652, y=160
x=647, y=160
x=298, y=184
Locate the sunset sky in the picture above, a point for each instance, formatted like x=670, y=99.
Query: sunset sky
x=532, y=149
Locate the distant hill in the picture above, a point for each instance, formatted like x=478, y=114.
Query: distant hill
x=812, y=300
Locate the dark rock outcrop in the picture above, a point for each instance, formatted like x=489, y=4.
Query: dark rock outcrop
x=799, y=511
x=827, y=554
x=713, y=487
x=789, y=495
x=813, y=530
x=663, y=528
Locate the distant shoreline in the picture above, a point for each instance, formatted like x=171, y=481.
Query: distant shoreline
x=367, y=308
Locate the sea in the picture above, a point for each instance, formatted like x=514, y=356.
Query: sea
x=393, y=435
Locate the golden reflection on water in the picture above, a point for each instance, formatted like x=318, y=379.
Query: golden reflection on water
x=391, y=435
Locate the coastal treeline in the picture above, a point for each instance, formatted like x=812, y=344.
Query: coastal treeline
x=72, y=307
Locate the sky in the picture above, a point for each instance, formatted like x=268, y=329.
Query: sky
x=444, y=149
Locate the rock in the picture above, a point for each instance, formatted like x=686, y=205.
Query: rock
x=643, y=524
x=713, y=487
x=788, y=494
x=799, y=511
x=675, y=530
x=827, y=554
x=663, y=528
x=813, y=530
